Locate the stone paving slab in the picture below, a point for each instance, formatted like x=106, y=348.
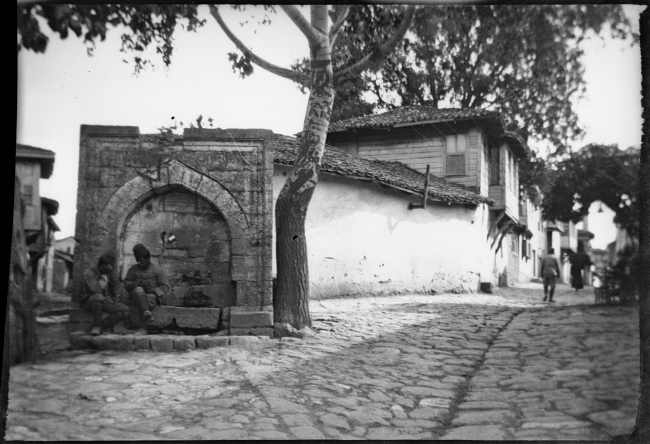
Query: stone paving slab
x=502, y=366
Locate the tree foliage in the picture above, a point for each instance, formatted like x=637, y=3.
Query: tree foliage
x=521, y=60
x=146, y=26
x=595, y=173
x=143, y=26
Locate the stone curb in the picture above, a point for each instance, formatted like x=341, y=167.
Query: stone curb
x=158, y=343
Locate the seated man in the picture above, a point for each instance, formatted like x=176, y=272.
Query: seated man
x=146, y=283
x=100, y=294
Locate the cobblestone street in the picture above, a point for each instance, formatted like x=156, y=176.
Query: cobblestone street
x=503, y=366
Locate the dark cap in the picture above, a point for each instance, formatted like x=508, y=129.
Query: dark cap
x=107, y=258
x=140, y=251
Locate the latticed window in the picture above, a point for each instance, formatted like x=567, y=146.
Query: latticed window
x=495, y=168
x=456, y=148
x=456, y=165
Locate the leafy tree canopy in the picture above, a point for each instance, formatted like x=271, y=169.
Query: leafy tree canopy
x=472, y=56
x=595, y=173
x=146, y=26
x=141, y=25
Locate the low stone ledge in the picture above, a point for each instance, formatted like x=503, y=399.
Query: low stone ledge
x=184, y=343
x=141, y=343
x=105, y=342
x=207, y=318
x=160, y=343
x=251, y=319
x=124, y=343
x=211, y=341
x=252, y=331
x=243, y=340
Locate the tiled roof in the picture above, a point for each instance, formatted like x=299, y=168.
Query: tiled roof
x=392, y=174
x=26, y=150
x=406, y=115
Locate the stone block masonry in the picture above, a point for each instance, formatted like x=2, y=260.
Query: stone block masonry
x=201, y=204
x=200, y=318
x=159, y=343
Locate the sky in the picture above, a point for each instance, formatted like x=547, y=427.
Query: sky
x=64, y=88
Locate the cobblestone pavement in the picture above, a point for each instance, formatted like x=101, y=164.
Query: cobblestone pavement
x=502, y=366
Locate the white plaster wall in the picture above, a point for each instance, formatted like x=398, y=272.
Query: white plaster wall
x=500, y=258
x=361, y=238
x=64, y=244
x=45, y=271
x=529, y=268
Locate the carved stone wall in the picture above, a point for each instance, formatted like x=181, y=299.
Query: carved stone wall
x=201, y=204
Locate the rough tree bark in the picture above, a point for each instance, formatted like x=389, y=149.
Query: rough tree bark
x=291, y=300
x=291, y=294
x=20, y=315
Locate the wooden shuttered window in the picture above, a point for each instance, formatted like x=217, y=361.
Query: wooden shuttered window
x=455, y=165
x=456, y=155
x=524, y=250
x=495, y=168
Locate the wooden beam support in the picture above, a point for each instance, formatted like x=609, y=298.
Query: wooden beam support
x=426, y=190
x=502, y=232
x=493, y=228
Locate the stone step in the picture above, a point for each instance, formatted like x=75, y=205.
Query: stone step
x=184, y=317
x=158, y=343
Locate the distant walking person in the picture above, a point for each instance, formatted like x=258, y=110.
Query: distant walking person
x=579, y=261
x=550, y=272
x=146, y=283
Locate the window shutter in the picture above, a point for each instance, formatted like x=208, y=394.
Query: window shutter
x=494, y=166
x=455, y=165
x=451, y=144
x=461, y=143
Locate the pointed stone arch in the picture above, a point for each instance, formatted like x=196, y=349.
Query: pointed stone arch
x=166, y=176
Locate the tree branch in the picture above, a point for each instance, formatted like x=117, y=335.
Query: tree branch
x=338, y=24
x=297, y=77
x=313, y=35
x=381, y=52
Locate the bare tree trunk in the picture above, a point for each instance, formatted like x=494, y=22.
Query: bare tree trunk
x=20, y=316
x=291, y=296
x=642, y=431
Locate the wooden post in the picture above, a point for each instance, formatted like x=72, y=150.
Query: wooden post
x=426, y=190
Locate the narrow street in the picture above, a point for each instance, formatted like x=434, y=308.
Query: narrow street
x=503, y=366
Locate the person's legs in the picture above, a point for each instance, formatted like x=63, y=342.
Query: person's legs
x=545, y=281
x=551, y=288
x=139, y=298
x=95, y=304
x=117, y=312
x=152, y=301
x=142, y=302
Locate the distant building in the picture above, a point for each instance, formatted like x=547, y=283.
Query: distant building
x=33, y=164
x=531, y=230
x=63, y=264
x=584, y=246
x=469, y=148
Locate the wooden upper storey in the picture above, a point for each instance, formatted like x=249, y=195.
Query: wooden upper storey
x=466, y=152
